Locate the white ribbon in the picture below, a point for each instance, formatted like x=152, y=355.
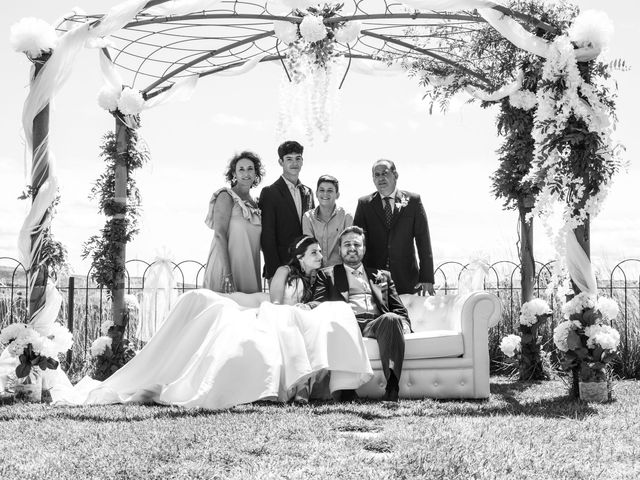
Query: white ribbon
x=499, y=94
x=579, y=266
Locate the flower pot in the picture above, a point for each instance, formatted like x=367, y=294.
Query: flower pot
x=594, y=392
x=29, y=388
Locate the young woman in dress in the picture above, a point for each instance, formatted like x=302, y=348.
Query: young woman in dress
x=234, y=256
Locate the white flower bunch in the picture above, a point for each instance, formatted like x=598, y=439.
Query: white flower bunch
x=286, y=32
x=106, y=325
x=131, y=302
x=108, y=98
x=523, y=99
x=312, y=28
x=61, y=338
x=591, y=28
x=27, y=336
x=578, y=303
x=99, y=346
x=510, y=345
x=11, y=332
x=33, y=37
x=44, y=347
x=130, y=101
x=608, y=307
x=561, y=333
x=607, y=337
x=349, y=32
x=531, y=310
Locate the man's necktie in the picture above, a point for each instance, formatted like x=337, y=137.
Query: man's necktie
x=388, y=212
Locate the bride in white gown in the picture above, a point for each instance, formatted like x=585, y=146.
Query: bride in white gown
x=215, y=351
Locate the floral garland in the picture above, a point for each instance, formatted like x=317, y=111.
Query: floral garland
x=102, y=248
x=310, y=94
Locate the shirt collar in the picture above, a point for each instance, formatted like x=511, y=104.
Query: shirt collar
x=393, y=195
x=289, y=184
x=351, y=270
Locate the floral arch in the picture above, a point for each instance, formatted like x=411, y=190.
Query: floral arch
x=155, y=51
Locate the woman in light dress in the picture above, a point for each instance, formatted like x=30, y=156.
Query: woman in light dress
x=234, y=256
x=219, y=350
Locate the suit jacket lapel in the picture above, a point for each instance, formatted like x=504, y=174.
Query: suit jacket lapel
x=340, y=281
x=284, y=190
x=397, y=210
x=376, y=204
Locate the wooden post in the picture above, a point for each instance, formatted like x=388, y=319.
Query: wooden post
x=531, y=367
x=37, y=274
x=123, y=137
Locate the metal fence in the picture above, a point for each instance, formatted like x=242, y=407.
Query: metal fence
x=86, y=306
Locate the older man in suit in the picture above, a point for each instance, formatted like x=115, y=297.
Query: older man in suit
x=374, y=300
x=393, y=220
x=283, y=204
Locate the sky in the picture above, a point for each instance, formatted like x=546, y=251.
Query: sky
x=446, y=158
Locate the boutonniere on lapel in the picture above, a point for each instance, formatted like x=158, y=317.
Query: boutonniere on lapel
x=380, y=280
x=402, y=202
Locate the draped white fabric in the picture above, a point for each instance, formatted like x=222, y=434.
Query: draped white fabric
x=118, y=16
x=579, y=266
x=158, y=297
x=181, y=91
x=499, y=94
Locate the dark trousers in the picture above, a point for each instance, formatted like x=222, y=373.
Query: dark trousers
x=387, y=330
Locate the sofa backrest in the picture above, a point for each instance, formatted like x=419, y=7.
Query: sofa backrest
x=440, y=312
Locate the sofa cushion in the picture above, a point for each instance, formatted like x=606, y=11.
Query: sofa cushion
x=432, y=312
x=426, y=344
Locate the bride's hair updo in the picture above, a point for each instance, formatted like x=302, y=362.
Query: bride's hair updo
x=296, y=249
x=230, y=172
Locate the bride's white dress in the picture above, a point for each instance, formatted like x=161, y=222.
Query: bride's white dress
x=216, y=351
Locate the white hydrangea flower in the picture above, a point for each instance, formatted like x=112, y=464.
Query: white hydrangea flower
x=43, y=346
x=531, y=310
x=605, y=336
x=286, y=32
x=592, y=28
x=99, y=346
x=11, y=332
x=106, y=325
x=349, y=32
x=130, y=102
x=561, y=333
x=579, y=303
x=33, y=37
x=108, y=98
x=312, y=28
x=523, y=99
x=61, y=338
x=510, y=345
x=608, y=307
x=26, y=337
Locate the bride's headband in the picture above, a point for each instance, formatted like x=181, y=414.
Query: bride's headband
x=306, y=237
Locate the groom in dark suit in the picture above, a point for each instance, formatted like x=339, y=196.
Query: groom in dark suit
x=393, y=220
x=372, y=296
x=283, y=204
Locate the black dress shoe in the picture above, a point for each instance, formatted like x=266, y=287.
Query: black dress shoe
x=345, y=396
x=391, y=395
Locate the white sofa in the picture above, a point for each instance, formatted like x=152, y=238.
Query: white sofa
x=448, y=355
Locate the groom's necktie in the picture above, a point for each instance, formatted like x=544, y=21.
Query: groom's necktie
x=388, y=212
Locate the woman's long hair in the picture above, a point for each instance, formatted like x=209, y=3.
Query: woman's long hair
x=298, y=248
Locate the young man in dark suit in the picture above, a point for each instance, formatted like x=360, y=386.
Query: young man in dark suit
x=393, y=220
x=372, y=296
x=283, y=204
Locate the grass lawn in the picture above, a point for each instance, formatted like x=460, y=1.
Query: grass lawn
x=525, y=431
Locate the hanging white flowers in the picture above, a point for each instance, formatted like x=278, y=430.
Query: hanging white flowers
x=131, y=101
x=286, y=32
x=33, y=37
x=312, y=28
x=349, y=32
